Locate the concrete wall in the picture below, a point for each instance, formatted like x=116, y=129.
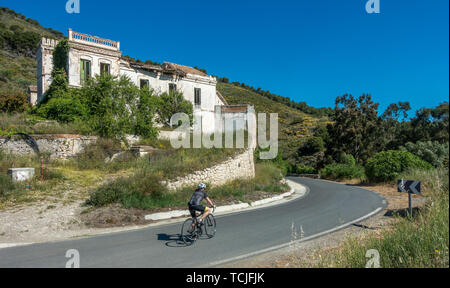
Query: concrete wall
x=59, y=146
x=241, y=166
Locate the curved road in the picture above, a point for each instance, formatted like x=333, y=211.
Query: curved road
x=327, y=207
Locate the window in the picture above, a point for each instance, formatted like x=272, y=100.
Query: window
x=105, y=69
x=85, y=71
x=172, y=87
x=198, y=96
x=144, y=84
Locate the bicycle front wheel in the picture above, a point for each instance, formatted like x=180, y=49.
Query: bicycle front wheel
x=210, y=226
x=189, y=232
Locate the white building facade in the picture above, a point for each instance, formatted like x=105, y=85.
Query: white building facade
x=90, y=56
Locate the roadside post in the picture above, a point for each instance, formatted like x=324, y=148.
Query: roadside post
x=410, y=187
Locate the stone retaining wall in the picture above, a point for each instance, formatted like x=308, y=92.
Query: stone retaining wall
x=58, y=146
x=238, y=167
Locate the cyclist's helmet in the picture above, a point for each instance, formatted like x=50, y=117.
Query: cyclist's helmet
x=201, y=186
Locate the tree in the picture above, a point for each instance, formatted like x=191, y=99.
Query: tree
x=117, y=107
x=13, y=101
x=396, y=128
x=387, y=165
x=356, y=128
x=172, y=103
x=311, y=146
x=145, y=113
x=432, y=152
x=430, y=124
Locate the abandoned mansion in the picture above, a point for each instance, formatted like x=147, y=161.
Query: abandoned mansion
x=89, y=56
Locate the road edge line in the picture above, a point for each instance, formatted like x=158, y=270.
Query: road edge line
x=273, y=248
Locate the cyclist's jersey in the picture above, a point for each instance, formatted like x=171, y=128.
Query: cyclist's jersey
x=198, y=196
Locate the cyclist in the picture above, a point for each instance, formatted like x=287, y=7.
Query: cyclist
x=194, y=203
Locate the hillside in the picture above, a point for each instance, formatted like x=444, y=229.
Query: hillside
x=294, y=125
x=19, y=38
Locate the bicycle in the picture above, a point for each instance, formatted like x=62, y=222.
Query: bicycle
x=191, y=230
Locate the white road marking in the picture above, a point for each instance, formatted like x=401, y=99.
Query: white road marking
x=297, y=241
x=9, y=245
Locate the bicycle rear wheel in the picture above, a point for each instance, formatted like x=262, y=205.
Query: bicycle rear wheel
x=210, y=226
x=188, y=233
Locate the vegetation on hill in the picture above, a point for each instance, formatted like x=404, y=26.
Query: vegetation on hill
x=19, y=38
x=301, y=106
x=295, y=127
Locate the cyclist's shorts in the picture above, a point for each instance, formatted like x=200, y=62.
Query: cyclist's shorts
x=193, y=208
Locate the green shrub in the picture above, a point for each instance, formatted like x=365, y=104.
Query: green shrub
x=342, y=171
x=16, y=28
x=170, y=104
x=64, y=109
x=13, y=101
x=142, y=191
x=345, y=169
x=432, y=152
x=311, y=146
x=387, y=165
x=300, y=169
x=347, y=159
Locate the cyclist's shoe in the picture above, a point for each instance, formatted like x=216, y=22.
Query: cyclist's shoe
x=191, y=230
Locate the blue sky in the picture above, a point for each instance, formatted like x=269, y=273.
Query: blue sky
x=308, y=50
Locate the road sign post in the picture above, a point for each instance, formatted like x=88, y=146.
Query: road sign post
x=410, y=204
x=410, y=187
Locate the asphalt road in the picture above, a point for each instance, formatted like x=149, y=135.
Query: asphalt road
x=327, y=206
